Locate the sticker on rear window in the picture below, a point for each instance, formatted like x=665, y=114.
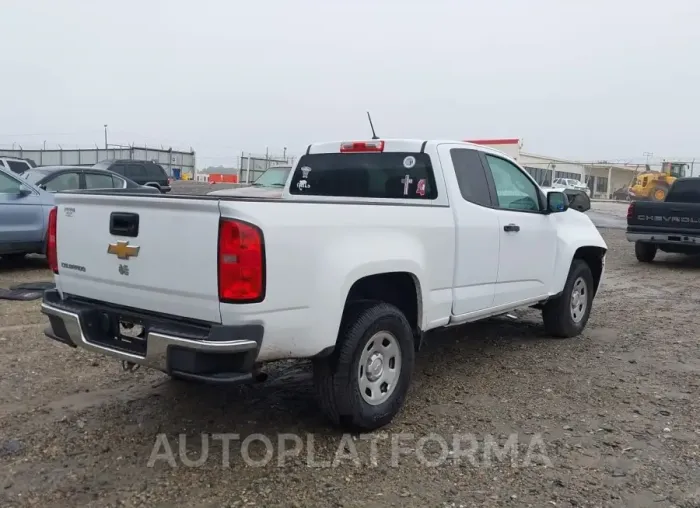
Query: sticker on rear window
x=305, y=171
x=409, y=162
x=406, y=181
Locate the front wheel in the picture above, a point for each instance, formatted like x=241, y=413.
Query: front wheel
x=567, y=315
x=363, y=384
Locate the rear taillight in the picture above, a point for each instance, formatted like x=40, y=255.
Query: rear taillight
x=362, y=146
x=630, y=211
x=51, y=252
x=241, y=262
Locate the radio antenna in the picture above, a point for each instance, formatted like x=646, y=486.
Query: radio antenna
x=374, y=134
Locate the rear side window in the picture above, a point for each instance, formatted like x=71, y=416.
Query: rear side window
x=471, y=176
x=18, y=167
x=156, y=172
x=117, y=168
x=98, y=181
x=684, y=192
x=394, y=175
x=136, y=171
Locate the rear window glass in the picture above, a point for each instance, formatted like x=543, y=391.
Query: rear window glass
x=684, y=192
x=396, y=175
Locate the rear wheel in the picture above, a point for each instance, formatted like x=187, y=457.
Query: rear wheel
x=567, y=315
x=13, y=257
x=363, y=384
x=645, y=251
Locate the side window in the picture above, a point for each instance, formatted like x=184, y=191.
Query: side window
x=8, y=185
x=64, y=181
x=156, y=172
x=514, y=190
x=118, y=168
x=471, y=176
x=98, y=181
x=136, y=171
x=18, y=167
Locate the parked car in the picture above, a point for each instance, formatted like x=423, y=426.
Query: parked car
x=61, y=178
x=622, y=194
x=570, y=183
x=16, y=164
x=672, y=225
x=142, y=172
x=268, y=185
x=374, y=244
x=24, y=212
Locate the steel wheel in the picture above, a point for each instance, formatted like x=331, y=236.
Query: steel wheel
x=379, y=368
x=579, y=300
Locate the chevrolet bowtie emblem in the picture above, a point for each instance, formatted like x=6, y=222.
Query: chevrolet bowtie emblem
x=123, y=250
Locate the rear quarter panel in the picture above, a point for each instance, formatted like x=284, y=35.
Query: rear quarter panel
x=315, y=252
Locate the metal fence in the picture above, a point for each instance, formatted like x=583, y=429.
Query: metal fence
x=175, y=163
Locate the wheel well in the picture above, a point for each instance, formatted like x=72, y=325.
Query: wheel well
x=400, y=289
x=593, y=256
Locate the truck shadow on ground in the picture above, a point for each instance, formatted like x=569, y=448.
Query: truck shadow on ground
x=676, y=261
x=29, y=263
x=286, y=402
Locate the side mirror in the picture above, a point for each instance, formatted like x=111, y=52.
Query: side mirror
x=24, y=191
x=557, y=202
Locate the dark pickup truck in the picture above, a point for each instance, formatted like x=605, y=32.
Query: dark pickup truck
x=672, y=225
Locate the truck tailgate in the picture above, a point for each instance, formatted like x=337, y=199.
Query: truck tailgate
x=660, y=216
x=167, y=263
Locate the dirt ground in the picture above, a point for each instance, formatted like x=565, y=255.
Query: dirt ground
x=616, y=409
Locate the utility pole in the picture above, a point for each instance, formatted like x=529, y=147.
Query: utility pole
x=648, y=155
x=105, y=137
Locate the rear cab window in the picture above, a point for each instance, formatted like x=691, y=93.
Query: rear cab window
x=391, y=175
x=684, y=191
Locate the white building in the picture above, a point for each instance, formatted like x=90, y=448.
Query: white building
x=602, y=178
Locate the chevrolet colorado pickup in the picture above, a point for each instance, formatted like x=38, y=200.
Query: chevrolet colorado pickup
x=373, y=244
x=672, y=225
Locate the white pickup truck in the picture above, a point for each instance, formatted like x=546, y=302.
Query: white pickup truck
x=372, y=244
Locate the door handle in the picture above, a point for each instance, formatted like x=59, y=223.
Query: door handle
x=511, y=228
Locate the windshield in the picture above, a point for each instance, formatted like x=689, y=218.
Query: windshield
x=34, y=175
x=273, y=177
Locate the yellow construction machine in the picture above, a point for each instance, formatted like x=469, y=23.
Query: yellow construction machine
x=653, y=185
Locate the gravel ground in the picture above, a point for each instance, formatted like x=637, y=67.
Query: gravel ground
x=615, y=411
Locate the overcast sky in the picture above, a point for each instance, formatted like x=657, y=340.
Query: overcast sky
x=585, y=80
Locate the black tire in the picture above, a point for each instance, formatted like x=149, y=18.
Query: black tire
x=557, y=313
x=652, y=194
x=337, y=376
x=645, y=251
x=13, y=257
